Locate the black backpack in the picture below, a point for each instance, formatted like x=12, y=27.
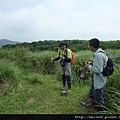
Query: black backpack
x=109, y=69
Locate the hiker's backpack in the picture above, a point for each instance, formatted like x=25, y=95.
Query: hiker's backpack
x=109, y=69
x=72, y=57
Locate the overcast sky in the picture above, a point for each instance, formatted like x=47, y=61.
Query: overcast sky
x=34, y=20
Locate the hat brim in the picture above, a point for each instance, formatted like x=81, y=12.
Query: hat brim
x=62, y=45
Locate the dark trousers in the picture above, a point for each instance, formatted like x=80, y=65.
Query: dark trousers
x=68, y=79
x=96, y=94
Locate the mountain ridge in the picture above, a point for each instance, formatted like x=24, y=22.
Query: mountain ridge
x=6, y=42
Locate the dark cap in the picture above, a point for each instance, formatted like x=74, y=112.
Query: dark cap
x=94, y=42
x=62, y=43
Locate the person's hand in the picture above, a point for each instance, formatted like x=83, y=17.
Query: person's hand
x=62, y=58
x=87, y=63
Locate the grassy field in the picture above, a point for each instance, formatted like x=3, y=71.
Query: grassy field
x=30, y=84
x=44, y=97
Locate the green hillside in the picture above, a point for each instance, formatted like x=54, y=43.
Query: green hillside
x=30, y=84
x=75, y=45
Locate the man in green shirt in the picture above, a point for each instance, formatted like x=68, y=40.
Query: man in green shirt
x=64, y=55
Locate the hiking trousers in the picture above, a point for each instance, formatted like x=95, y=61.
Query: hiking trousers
x=96, y=94
x=66, y=70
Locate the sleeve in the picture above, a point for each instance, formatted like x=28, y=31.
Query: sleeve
x=56, y=59
x=98, y=64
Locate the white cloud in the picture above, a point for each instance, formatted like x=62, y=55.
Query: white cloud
x=60, y=19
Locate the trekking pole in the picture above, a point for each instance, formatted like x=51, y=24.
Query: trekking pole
x=115, y=57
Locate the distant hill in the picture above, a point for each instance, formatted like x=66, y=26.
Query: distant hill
x=5, y=42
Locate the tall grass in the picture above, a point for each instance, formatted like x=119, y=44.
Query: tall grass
x=9, y=76
x=112, y=91
x=20, y=64
x=8, y=71
x=33, y=62
x=112, y=101
x=80, y=58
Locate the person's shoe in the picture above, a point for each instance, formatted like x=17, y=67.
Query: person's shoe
x=100, y=108
x=62, y=88
x=68, y=90
x=83, y=103
x=88, y=103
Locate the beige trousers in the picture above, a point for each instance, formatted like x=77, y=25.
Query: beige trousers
x=66, y=69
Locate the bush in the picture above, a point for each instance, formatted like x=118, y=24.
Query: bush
x=9, y=77
x=39, y=62
x=30, y=61
x=8, y=71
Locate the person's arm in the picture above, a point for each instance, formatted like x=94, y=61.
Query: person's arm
x=97, y=65
x=56, y=59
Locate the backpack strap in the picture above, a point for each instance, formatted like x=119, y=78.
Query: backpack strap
x=59, y=53
x=105, y=61
x=65, y=52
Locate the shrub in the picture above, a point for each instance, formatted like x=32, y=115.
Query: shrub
x=9, y=76
x=8, y=71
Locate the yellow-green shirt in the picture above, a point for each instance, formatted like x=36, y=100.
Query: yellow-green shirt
x=64, y=52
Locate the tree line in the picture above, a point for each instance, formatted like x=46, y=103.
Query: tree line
x=53, y=45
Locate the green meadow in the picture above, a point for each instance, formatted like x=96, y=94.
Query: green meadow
x=31, y=84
